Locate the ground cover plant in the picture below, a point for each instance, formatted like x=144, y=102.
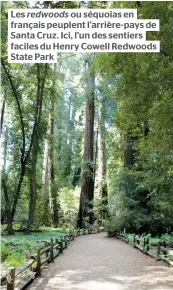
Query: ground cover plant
x=14, y=248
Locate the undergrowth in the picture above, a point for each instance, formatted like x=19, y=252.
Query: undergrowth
x=14, y=247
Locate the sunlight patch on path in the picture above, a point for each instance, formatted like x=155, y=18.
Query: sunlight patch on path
x=56, y=283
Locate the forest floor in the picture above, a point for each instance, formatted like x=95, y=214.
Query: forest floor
x=95, y=262
x=15, y=247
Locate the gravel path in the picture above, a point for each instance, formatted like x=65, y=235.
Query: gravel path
x=95, y=262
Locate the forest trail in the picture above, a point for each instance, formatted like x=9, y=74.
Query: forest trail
x=95, y=262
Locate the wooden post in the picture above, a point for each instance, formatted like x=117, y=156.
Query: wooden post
x=29, y=257
x=164, y=244
x=73, y=233
x=46, y=244
x=61, y=245
x=65, y=239
x=70, y=235
x=138, y=242
x=28, y=254
x=144, y=245
x=84, y=231
x=56, y=241
x=10, y=278
x=68, y=238
x=158, y=249
x=148, y=244
x=38, y=263
x=59, y=242
x=134, y=240
x=51, y=251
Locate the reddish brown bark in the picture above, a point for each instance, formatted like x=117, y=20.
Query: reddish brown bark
x=87, y=188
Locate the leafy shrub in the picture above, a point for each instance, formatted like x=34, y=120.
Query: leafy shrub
x=69, y=203
x=114, y=224
x=136, y=207
x=3, y=227
x=16, y=226
x=4, y=252
x=15, y=259
x=166, y=237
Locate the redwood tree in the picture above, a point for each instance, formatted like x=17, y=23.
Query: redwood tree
x=87, y=188
x=102, y=184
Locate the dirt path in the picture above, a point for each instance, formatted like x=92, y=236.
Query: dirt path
x=95, y=262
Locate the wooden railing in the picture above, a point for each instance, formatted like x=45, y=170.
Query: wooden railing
x=51, y=250
x=159, y=250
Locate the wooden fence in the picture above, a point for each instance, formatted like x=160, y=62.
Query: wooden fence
x=51, y=250
x=159, y=251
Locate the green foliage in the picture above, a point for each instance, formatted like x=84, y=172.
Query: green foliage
x=141, y=137
x=66, y=140
x=15, y=259
x=114, y=225
x=69, y=201
x=166, y=237
x=14, y=248
x=4, y=252
x=131, y=206
x=100, y=206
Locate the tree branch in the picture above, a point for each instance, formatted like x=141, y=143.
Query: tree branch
x=2, y=112
x=40, y=91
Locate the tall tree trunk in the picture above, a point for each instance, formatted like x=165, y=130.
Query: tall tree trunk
x=45, y=185
x=129, y=155
x=102, y=184
x=35, y=148
x=25, y=153
x=96, y=151
x=23, y=158
x=2, y=112
x=53, y=190
x=59, y=127
x=33, y=186
x=129, y=152
x=70, y=137
x=8, y=218
x=87, y=189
